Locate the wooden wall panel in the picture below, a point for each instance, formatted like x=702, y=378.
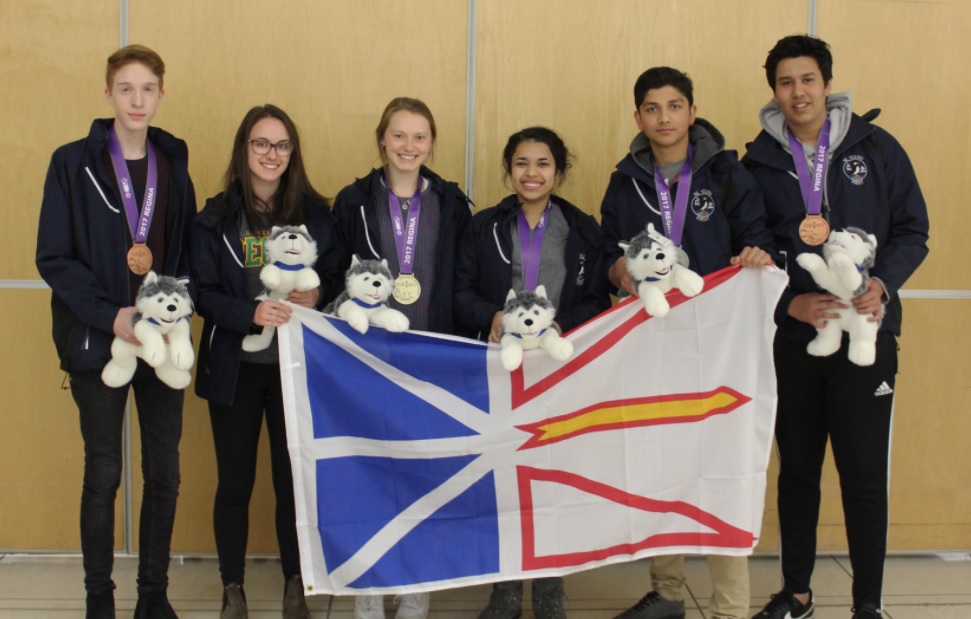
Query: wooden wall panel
x=332, y=66
x=41, y=451
x=52, y=62
x=574, y=71
x=908, y=60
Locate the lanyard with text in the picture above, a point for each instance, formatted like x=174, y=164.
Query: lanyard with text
x=531, y=245
x=814, y=230
x=406, y=286
x=673, y=218
x=139, y=256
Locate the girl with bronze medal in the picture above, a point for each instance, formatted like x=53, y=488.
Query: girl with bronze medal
x=139, y=256
x=814, y=229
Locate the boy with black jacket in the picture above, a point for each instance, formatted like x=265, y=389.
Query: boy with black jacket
x=118, y=204
x=679, y=177
x=869, y=183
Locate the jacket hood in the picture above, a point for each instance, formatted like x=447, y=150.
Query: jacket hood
x=837, y=105
x=706, y=139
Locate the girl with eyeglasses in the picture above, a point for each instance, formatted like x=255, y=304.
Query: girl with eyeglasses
x=266, y=185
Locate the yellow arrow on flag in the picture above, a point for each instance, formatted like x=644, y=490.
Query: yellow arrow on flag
x=632, y=413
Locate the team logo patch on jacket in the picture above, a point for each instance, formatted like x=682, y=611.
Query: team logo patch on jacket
x=703, y=204
x=854, y=167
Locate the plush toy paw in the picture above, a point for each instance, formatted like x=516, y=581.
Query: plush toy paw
x=862, y=353
x=307, y=279
x=174, y=377
x=181, y=355
x=655, y=303
x=271, y=276
x=811, y=262
x=390, y=319
x=511, y=355
x=689, y=283
x=558, y=347
x=256, y=342
x=823, y=347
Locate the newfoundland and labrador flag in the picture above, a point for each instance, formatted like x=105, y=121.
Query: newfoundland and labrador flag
x=420, y=464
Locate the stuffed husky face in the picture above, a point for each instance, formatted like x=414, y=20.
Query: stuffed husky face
x=860, y=246
x=290, y=245
x=650, y=255
x=369, y=280
x=164, y=299
x=527, y=313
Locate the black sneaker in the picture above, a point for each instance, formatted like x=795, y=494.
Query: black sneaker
x=868, y=611
x=785, y=606
x=653, y=606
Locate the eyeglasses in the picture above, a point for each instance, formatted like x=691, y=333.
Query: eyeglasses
x=262, y=147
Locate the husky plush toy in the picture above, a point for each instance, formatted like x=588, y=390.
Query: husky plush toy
x=367, y=286
x=658, y=266
x=527, y=323
x=290, y=255
x=164, y=309
x=842, y=270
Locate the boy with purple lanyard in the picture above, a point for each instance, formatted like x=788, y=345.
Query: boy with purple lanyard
x=679, y=177
x=823, y=167
x=118, y=204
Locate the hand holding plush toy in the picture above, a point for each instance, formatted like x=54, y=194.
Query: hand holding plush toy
x=843, y=271
x=162, y=327
x=527, y=324
x=658, y=266
x=290, y=255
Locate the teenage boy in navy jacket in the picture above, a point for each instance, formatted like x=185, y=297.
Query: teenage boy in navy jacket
x=868, y=183
x=95, y=243
x=718, y=218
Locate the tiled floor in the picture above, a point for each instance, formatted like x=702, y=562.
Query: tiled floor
x=916, y=587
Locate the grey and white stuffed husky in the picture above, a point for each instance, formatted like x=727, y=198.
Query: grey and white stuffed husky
x=164, y=310
x=843, y=271
x=367, y=286
x=527, y=324
x=658, y=266
x=290, y=255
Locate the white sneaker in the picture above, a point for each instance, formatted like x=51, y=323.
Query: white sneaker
x=413, y=606
x=369, y=607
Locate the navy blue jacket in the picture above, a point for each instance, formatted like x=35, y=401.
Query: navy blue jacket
x=484, y=274
x=83, y=236
x=356, y=211
x=220, y=278
x=725, y=209
x=886, y=202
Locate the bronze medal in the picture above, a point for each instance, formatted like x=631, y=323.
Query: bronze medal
x=406, y=289
x=814, y=230
x=140, y=259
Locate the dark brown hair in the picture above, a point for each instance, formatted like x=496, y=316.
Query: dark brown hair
x=134, y=53
x=287, y=203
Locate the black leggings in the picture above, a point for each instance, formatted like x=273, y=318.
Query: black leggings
x=236, y=435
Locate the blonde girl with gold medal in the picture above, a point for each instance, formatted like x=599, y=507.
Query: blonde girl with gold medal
x=406, y=213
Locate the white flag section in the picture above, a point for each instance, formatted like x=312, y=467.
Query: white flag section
x=420, y=464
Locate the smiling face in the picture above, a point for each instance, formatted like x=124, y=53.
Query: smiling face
x=801, y=93
x=267, y=169
x=134, y=94
x=406, y=142
x=533, y=173
x=664, y=117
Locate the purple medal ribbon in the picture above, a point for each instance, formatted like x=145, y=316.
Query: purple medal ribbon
x=405, y=238
x=531, y=245
x=812, y=186
x=673, y=219
x=138, y=224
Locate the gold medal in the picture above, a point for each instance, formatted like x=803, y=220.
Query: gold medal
x=406, y=289
x=140, y=259
x=814, y=230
